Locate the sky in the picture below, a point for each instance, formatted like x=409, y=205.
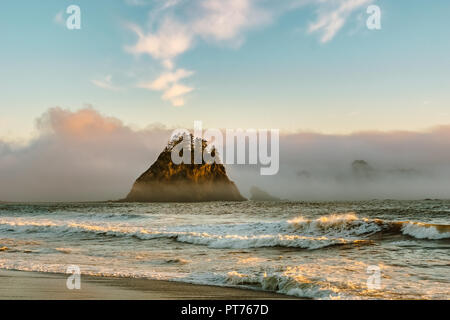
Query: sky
x=101, y=102
x=294, y=65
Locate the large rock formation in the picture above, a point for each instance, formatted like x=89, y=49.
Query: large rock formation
x=166, y=181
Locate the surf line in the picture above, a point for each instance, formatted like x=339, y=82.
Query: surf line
x=193, y=310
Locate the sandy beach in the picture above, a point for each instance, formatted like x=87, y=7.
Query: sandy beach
x=52, y=286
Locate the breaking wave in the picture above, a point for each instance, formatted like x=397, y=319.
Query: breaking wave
x=350, y=225
x=288, y=284
x=300, y=232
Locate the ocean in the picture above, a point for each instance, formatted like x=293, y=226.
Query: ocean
x=381, y=249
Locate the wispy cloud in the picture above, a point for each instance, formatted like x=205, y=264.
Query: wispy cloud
x=225, y=20
x=170, y=40
x=169, y=78
x=175, y=94
x=176, y=27
x=214, y=20
x=59, y=18
x=136, y=2
x=332, y=16
x=169, y=83
x=105, y=83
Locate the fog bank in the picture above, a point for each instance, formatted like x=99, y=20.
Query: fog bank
x=86, y=156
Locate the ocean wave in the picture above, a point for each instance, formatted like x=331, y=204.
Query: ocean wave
x=325, y=231
x=193, y=237
x=344, y=225
x=288, y=284
x=420, y=230
x=350, y=225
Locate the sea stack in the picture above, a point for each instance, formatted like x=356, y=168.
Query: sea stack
x=260, y=195
x=166, y=181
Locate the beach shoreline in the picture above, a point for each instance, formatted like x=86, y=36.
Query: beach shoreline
x=31, y=285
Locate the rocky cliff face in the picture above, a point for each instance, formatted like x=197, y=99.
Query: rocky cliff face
x=166, y=181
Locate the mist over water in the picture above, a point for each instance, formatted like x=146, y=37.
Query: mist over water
x=85, y=156
x=318, y=250
x=360, y=166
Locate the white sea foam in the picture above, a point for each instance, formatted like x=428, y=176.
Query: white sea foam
x=286, y=283
x=262, y=235
x=335, y=229
x=426, y=231
x=347, y=224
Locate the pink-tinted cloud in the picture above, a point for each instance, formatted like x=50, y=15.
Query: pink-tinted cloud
x=80, y=155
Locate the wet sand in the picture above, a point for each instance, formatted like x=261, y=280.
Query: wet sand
x=51, y=286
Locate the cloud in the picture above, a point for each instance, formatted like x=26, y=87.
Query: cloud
x=170, y=40
x=225, y=20
x=59, y=18
x=176, y=26
x=81, y=155
x=169, y=78
x=168, y=82
x=332, y=16
x=213, y=20
x=84, y=123
x=404, y=165
x=84, y=155
x=175, y=94
x=105, y=83
x=137, y=3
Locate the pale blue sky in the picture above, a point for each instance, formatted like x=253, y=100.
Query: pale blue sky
x=260, y=68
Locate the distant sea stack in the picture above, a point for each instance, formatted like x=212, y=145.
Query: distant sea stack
x=261, y=195
x=166, y=181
